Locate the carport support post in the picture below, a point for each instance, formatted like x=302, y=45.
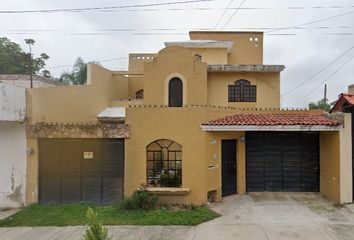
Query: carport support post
x=345, y=150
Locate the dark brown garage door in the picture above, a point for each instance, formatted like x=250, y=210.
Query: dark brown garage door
x=282, y=161
x=76, y=170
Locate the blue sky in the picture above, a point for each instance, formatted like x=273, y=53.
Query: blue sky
x=304, y=53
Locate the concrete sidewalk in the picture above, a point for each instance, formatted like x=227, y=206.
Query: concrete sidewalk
x=261, y=216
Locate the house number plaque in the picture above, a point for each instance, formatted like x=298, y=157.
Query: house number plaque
x=88, y=155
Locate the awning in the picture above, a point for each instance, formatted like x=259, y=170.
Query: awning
x=112, y=114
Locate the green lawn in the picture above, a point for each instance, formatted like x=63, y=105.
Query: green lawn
x=75, y=214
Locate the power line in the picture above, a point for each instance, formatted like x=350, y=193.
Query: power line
x=102, y=8
x=100, y=61
x=319, y=72
x=223, y=14
x=312, y=22
x=232, y=16
x=328, y=78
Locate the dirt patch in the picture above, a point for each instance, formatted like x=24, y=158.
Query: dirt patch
x=320, y=209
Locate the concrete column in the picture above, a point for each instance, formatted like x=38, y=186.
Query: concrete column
x=346, y=180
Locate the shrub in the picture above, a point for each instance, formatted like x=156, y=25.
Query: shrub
x=95, y=229
x=139, y=200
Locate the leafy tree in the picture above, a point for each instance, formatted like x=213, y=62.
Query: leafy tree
x=95, y=229
x=14, y=60
x=78, y=75
x=321, y=104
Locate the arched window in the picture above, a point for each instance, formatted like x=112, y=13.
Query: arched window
x=175, y=93
x=242, y=91
x=164, y=164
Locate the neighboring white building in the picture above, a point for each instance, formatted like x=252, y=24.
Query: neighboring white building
x=13, y=136
x=12, y=146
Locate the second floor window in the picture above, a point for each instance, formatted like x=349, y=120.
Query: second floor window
x=175, y=93
x=139, y=94
x=242, y=91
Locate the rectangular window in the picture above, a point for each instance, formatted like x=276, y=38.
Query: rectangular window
x=242, y=93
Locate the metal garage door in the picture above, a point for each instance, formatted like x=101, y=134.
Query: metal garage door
x=282, y=161
x=75, y=170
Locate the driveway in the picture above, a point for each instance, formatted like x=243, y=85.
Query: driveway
x=256, y=216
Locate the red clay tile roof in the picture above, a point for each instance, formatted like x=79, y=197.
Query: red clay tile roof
x=343, y=100
x=349, y=98
x=271, y=119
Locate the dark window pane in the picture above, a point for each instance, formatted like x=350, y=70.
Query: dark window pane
x=139, y=94
x=175, y=93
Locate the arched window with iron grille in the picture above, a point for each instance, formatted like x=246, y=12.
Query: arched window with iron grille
x=164, y=164
x=242, y=91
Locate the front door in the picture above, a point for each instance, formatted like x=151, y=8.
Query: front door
x=228, y=158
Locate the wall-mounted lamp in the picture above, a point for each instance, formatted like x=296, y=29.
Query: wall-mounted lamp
x=29, y=151
x=242, y=139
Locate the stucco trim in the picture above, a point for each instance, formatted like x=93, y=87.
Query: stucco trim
x=168, y=191
x=202, y=44
x=58, y=130
x=270, y=128
x=184, y=82
x=245, y=68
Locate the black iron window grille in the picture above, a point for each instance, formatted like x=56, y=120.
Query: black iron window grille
x=242, y=91
x=164, y=164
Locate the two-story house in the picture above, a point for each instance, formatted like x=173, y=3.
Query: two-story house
x=197, y=121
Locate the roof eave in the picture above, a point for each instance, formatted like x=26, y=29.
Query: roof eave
x=297, y=128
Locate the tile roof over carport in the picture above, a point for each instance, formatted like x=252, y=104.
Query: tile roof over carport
x=269, y=121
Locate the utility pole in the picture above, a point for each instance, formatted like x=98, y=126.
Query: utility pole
x=325, y=93
x=30, y=42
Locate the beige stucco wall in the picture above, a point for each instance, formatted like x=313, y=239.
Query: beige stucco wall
x=336, y=163
x=137, y=60
x=329, y=165
x=243, y=51
x=77, y=103
x=213, y=158
x=136, y=83
x=212, y=55
x=175, y=62
x=182, y=125
x=268, y=89
x=32, y=172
